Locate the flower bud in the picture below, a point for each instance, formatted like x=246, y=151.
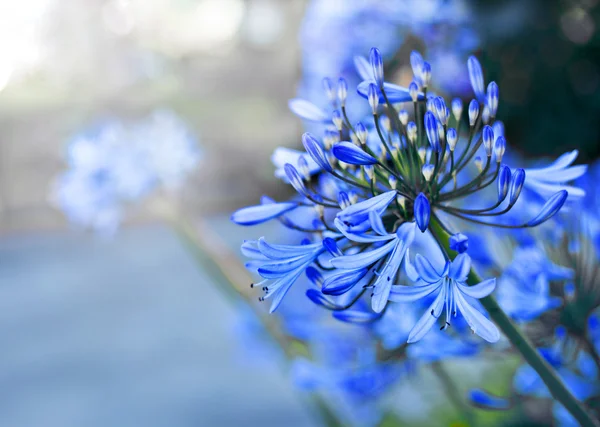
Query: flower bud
x=492, y=98
x=411, y=131
x=485, y=115
x=370, y=171
x=342, y=91
x=479, y=163
x=440, y=107
x=401, y=201
x=337, y=120
x=488, y=139
x=476, y=77
x=499, y=148
x=377, y=65
x=503, y=182
x=373, y=98
x=473, y=112
x=328, y=88
x=361, y=132
x=427, y=171
x=550, y=208
x=422, y=151
x=393, y=181
x=457, y=107
x=385, y=123
x=452, y=138
x=459, y=243
x=516, y=185
x=431, y=128
x=303, y=166
x=426, y=73
x=422, y=212
x=403, y=116
x=413, y=90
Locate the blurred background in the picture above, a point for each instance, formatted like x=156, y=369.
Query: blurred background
x=124, y=328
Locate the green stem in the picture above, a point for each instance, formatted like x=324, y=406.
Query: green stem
x=556, y=387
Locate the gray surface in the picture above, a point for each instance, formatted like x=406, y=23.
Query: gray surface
x=125, y=333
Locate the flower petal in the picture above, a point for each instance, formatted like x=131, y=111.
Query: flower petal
x=401, y=293
x=363, y=259
x=360, y=238
x=428, y=318
x=355, y=316
x=477, y=321
x=363, y=68
x=377, y=224
x=460, y=267
x=425, y=270
x=480, y=290
x=340, y=283
x=359, y=212
x=258, y=214
x=307, y=110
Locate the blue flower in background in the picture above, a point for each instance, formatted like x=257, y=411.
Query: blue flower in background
x=116, y=164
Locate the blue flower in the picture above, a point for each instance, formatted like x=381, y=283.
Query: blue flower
x=279, y=265
x=452, y=296
x=118, y=163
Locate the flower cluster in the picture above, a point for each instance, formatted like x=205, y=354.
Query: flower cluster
x=381, y=194
x=118, y=163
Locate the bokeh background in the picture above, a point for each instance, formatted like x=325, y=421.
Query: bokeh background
x=127, y=330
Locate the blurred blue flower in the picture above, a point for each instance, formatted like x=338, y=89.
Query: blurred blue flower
x=117, y=163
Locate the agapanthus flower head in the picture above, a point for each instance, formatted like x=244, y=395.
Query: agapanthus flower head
x=396, y=181
x=118, y=163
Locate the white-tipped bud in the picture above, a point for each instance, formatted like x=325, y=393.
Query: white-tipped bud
x=431, y=105
x=343, y=165
x=485, y=115
x=393, y=182
x=303, y=167
x=352, y=196
x=354, y=139
x=342, y=91
x=337, y=120
x=499, y=148
x=452, y=138
x=384, y=121
x=446, y=156
x=370, y=171
x=401, y=201
x=413, y=91
x=473, y=112
x=403, y=116
x=411, y=131
x=487, y=135
x=361, y=132
x=373, y=97
x=479, y=163
x=457, y=108
x=422, y=151
x=426, y=73
x=328, y=88
x=441, y=133
x=427, y=171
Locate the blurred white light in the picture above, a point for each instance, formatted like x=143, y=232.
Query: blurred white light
x=20, y=38
x=264, y=22
x=117, y=17
x=218, y=20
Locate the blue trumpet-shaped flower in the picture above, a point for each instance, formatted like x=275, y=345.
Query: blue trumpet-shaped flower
x=453, y=295
x=279, y=265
